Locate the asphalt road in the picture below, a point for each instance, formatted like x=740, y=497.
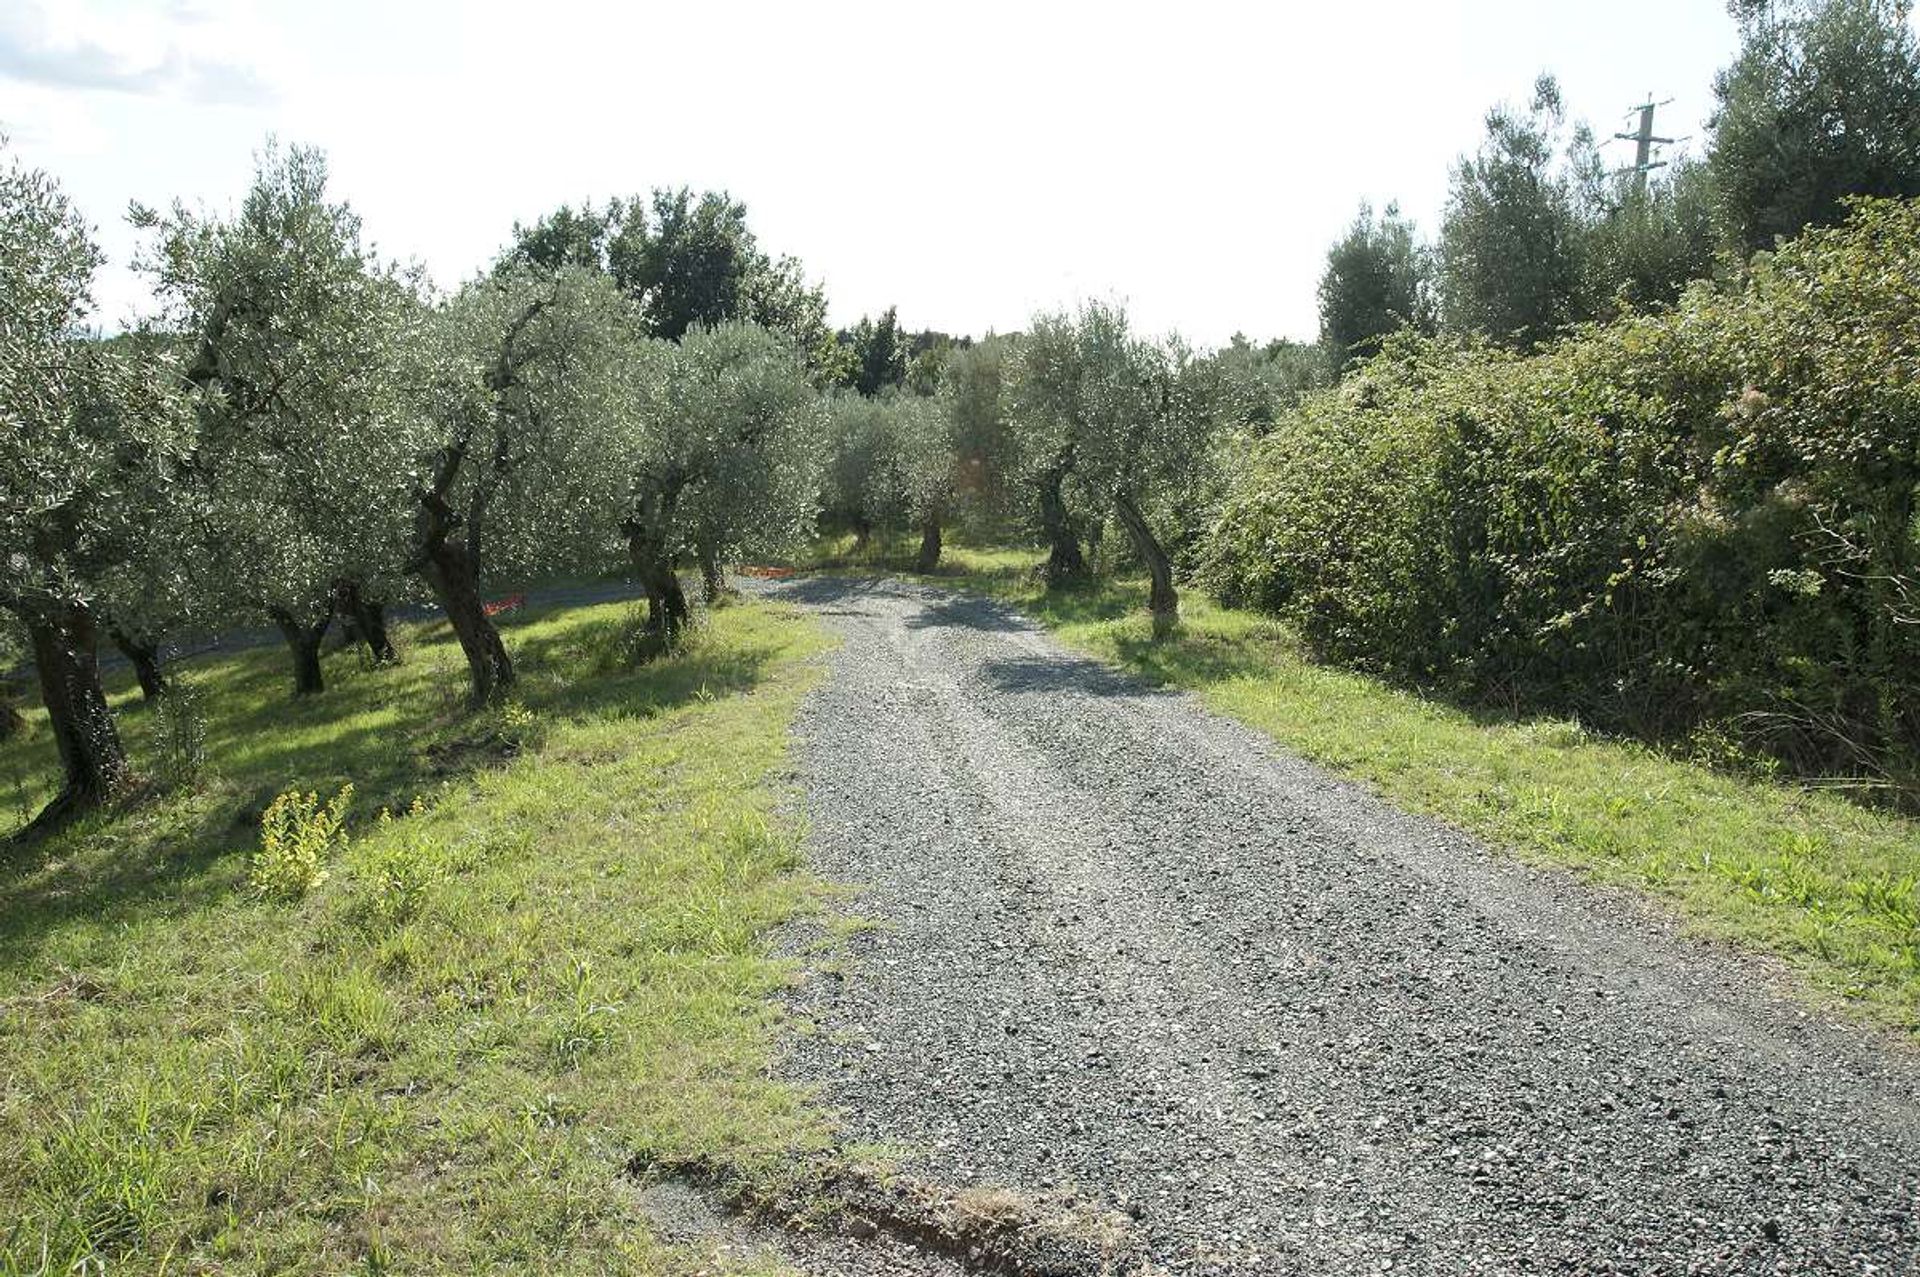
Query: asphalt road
x=1126, y=947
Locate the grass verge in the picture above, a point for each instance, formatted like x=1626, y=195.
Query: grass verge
x=1807, y=876
x=443, y=1056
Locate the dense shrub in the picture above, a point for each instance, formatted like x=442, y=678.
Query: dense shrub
x=1702, y=516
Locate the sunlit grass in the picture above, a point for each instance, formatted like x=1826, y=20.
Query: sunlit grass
x=1808, y=876
x=443, y=1057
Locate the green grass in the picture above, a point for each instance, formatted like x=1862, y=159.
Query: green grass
x=444, y=1056
x=1811, y=877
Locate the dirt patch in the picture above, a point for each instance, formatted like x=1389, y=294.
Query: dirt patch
x=873, y=1222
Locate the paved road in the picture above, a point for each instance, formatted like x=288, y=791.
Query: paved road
x=1126, y=946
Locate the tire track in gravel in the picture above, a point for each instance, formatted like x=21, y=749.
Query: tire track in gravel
x=1129, y=948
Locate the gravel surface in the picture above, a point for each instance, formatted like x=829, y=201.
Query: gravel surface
x=1126, y=947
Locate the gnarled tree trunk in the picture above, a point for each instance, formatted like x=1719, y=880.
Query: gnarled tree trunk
x=144, y=655
x=11, y=720
x=455, y=578
x=1065, y=563
x=303, y=641
x=667, y=611
x=929, y=557
x=365, y=619
x=713, y=578
x=862, y=533
x=92, y=758
x=1163, y=601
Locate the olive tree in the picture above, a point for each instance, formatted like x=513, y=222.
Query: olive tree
x=1822, y=103
x=516, y=390
x=1511, y=237
x=1378, y=279
x=976, y=387
x=717, y=456
x=295, y=333
x=88, y=456
x=1131, y=418
x=759, y=490
x=924, y=430
x=864, y=488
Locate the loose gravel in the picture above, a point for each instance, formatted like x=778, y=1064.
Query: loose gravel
x=1128, y=948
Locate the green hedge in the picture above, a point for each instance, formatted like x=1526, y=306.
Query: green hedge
x=1697, y=522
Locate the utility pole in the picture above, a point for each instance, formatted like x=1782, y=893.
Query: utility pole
x=1643, y=143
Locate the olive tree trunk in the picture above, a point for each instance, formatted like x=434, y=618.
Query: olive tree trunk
x=713, y=578
x=1163, y=601
x=144, y=655
x=455, y=578
x=1065, y=563
x=92, y=759
x=303, y=642
x=929, y=557
x=365, y=620
x=11, y=719
x=667, y=612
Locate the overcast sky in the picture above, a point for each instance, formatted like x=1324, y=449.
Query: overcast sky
x=970, y=162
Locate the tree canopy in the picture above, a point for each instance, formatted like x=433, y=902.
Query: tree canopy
x=1378, y=279
x=1822, y=103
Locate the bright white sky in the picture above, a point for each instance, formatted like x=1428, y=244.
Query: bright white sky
x=969, y=162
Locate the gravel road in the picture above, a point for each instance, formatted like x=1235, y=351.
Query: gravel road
x=1127, y=947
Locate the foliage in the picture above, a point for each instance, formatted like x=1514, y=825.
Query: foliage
x=91, y=445
x=879, y=353
x=512, y=466
x=925, y=431
x=1260, y=384
x=715, y=458
x=1822, y=103
x=1693, y=516
x=1134, y=420
x=294, y=333
x=520, y=374
x=1649, y=239
x=1509, y=259
x=1379, y=278
x=928, y=354
x=89, y=456
x=864, y=486
x=297, y=834
x=736, y=422
x=688, y=263
x=976, y=385
x=565, y=237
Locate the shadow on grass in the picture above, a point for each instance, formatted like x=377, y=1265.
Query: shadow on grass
x=94, y=874
x=395, y=733
x=698, y=671
x=1193, y=657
